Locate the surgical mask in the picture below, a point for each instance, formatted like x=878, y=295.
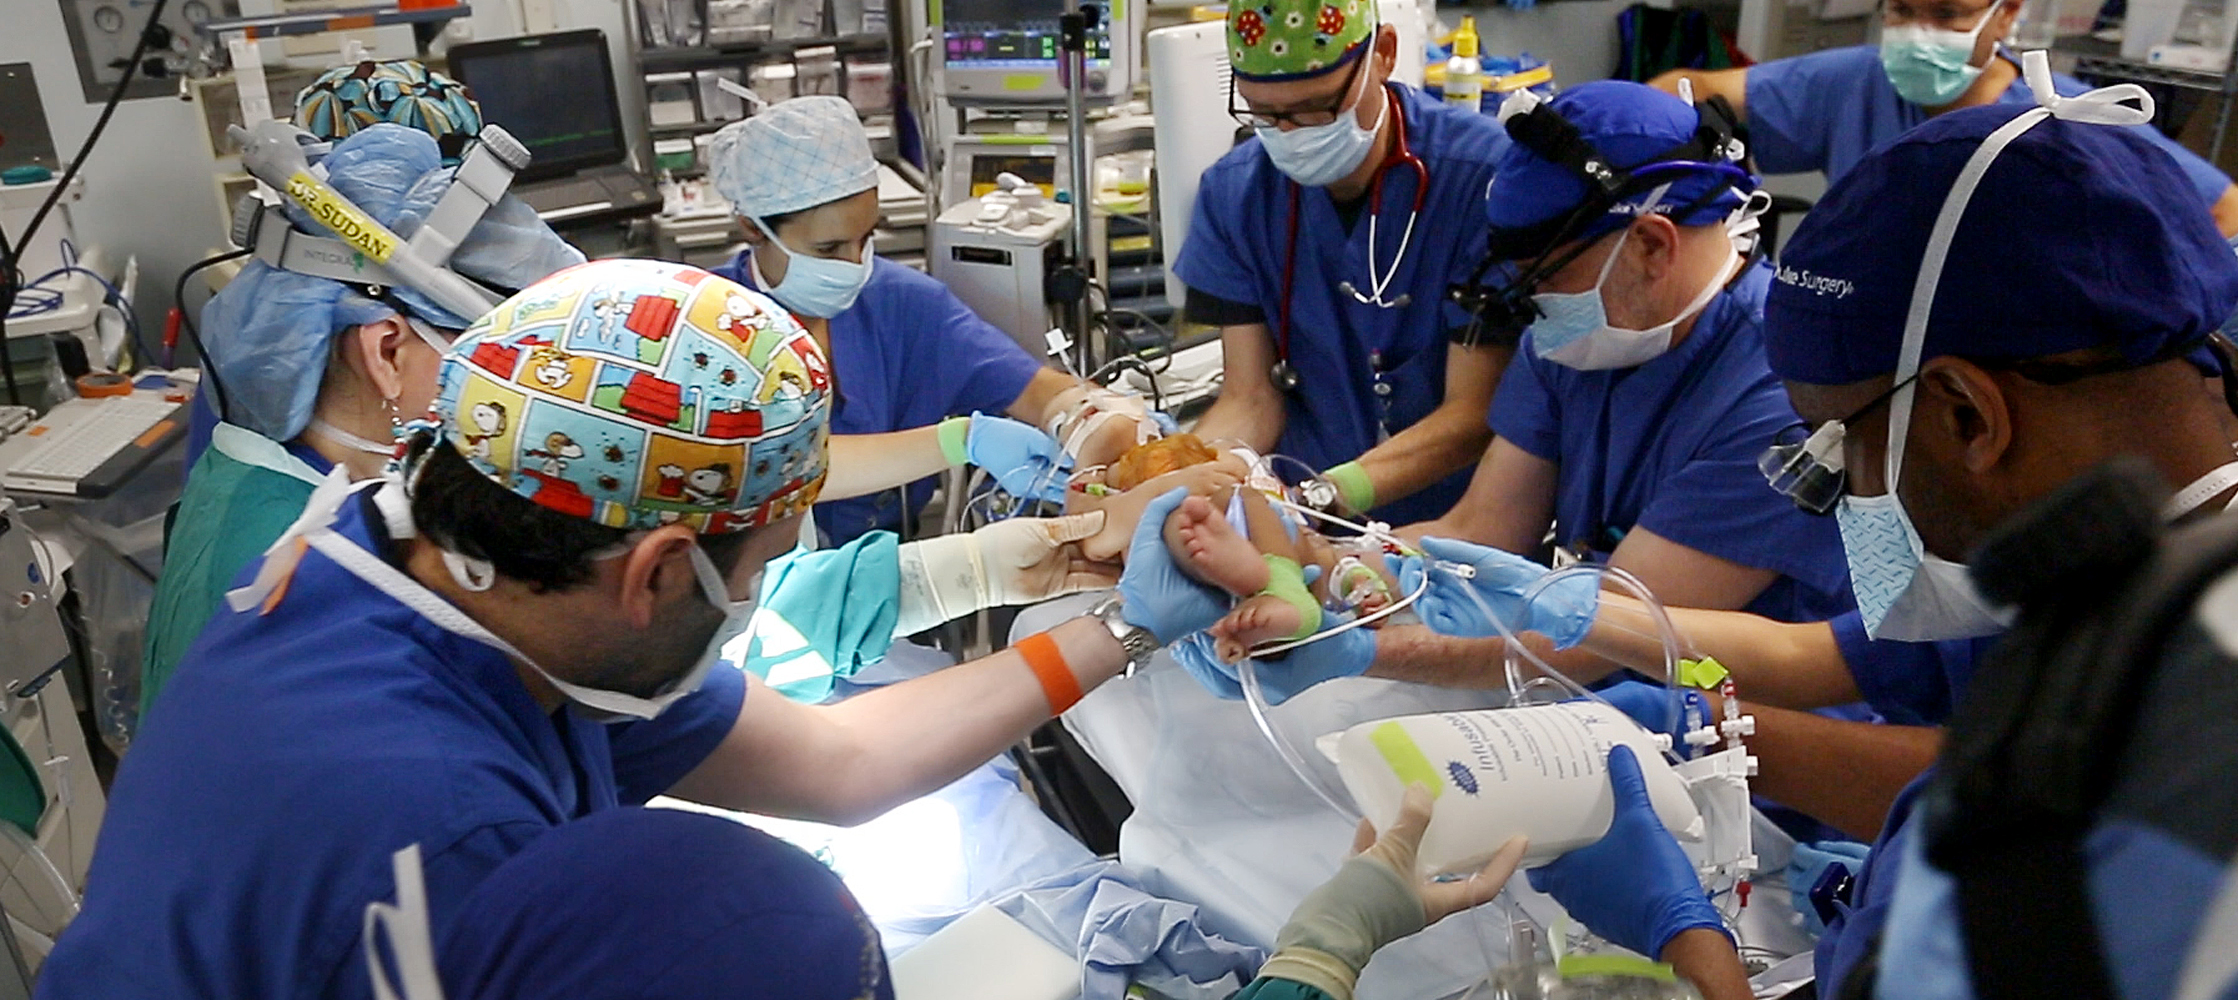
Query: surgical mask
x=1573, y=329
x=818, y=286
x=1929, y=66
x=1903, y=591
x=615, y=706
x=1321, y=155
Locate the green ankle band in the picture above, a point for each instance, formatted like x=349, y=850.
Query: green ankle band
x=1286, y=580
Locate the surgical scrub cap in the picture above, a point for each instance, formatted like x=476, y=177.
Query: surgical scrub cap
x=661, y=904
x=637, y=393
x=1632, y=125
x=2080, y=235
x=269, y=332
x=1277, y=40
x=794, y=155
x=347, y=99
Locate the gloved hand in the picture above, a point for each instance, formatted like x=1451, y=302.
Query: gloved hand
x=1809, y=864
x=1347, y=654
x=1158, y=596
x=1650, y=706
x=1024, y=461
x=1374, y=900
x=1018, y=561
x=1562, y=612
x=1634, y=886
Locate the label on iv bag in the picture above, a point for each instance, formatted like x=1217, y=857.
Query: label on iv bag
x=1541, y=771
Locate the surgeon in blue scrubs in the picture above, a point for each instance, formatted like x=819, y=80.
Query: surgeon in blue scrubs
x=2047, y=351
x=1824, y=111
x=908, y=356
x=1632, y=416
x=524, y=628
x=1323, y=248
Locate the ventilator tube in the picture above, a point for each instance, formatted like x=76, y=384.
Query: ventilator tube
x=1540, y=771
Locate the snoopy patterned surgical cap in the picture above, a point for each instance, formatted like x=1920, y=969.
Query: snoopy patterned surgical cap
x=637, y=393
x=1275, y=40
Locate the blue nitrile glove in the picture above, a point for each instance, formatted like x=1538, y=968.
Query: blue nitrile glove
x=1634, y=886
x=1809, y=864
x=1158, y=596
x=1650, y=706
x=1165, y=421
x=1347, y=654
x=1563, y=612
x=1024, y=460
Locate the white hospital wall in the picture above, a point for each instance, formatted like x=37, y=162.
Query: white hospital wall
x=1577, y=36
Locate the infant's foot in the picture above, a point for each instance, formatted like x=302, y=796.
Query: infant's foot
x=1215, y=552
x=1265, y=618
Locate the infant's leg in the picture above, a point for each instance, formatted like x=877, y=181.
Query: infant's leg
x=1209, y=549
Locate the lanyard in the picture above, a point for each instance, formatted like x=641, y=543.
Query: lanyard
x=2201, y=490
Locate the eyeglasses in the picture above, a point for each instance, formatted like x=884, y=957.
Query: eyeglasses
x=1939, y=13
x=1303, y=118
x=1805, y=465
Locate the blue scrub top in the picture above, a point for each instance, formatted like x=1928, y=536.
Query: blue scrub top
x=294, y=752
x=1826, y=110
x=1671, y=446
x=908, y=353
x=1238, y=237
x=1908, y=683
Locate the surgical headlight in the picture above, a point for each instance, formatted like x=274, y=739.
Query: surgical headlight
x=1497, y=295
x=1807, y=470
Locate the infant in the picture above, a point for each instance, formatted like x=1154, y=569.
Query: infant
x=1227, y=534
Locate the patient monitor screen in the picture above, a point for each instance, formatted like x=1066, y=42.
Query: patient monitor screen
x=1020, y=33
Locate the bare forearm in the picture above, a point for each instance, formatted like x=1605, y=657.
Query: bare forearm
x=1415, y=653
x=1254, y=418
x=1038, y=403
x=1706, y=958
x=866, y=463
x=1432, y=449
x=1796, y=666
x=1844, y=773
x=850, y=762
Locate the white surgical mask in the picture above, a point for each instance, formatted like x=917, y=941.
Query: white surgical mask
x=615, y=706
x=1930, y=66
x=1574, y=331
x=1903, y=591
x=817, y=286
x=1321, y=155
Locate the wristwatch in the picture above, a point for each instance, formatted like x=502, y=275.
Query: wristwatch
x=1139, y=642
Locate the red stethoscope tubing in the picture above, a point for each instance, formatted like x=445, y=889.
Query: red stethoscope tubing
x=1402, y=154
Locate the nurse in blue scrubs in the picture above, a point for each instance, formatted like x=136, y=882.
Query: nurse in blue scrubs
x=1826, y=110
x=908, y=356
x=1323, y=248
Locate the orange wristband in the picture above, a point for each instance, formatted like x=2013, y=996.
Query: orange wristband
x=1057, y=682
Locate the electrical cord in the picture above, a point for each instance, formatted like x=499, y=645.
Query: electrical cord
x=194, y=333
x=11, y=278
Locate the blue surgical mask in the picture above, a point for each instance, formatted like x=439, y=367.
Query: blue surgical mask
x=1573, y=328
x=1929, y=66
x=817, y=286
x=1321, y=155
x=1905, y=592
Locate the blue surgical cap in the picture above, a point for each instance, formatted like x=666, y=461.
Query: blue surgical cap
x=2079, y=236
x=1632, y=125
x=791, y=156
x=660, y=904
x=269, y=332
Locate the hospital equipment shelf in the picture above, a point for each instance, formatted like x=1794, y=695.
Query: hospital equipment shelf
x=342, y=19
x=733, y=54
x=2101, y=61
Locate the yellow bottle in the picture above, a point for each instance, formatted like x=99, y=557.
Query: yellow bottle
x=1464, y=76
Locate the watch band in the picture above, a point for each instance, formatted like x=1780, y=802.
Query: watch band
x=1139, y=642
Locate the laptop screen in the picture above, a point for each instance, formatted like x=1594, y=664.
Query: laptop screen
x=554, y=93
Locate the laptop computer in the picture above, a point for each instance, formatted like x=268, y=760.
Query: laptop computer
x=555, y=93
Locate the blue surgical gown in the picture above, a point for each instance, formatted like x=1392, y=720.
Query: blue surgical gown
x=1238, y=237
x=1826, y=110
x=1908, y=683
x=908, y=353
x=1671, y=446
x=293, y=752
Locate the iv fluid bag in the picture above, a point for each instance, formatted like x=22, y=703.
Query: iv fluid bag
x=1541, y=771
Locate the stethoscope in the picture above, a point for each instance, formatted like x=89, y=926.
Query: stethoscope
x=1284, y=374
